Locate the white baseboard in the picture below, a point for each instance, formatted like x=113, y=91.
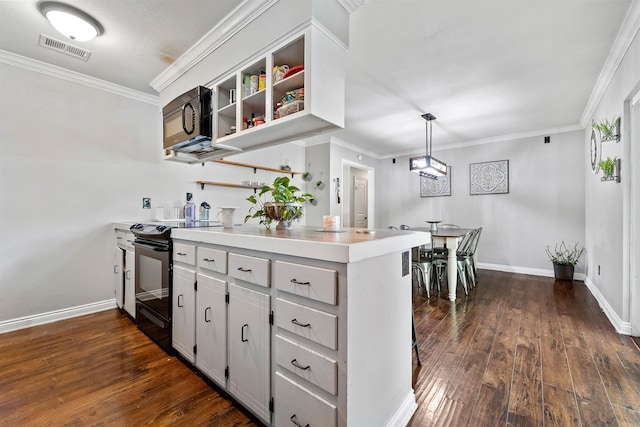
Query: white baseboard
x=524, y=270
x=405, y=411
x=621, y=327
x=54, y=316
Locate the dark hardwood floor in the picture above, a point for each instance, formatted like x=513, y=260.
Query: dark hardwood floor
x=520, y=350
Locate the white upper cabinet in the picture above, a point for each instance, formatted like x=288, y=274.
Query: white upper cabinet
x=293, y=89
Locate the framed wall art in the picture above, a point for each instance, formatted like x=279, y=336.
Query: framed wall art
x=489, y=177
x=440, y=186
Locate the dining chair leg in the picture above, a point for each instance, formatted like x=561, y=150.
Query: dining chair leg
x=463, y=276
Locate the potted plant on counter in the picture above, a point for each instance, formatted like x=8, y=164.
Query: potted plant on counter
x=564, y=259
x=277, y=202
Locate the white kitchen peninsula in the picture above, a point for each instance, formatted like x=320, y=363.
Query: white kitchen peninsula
x=340, y=340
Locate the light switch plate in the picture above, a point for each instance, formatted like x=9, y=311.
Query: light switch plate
x=405, y=263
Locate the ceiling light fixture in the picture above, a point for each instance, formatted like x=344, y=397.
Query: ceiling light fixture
x=427, y=165
x=71, y=22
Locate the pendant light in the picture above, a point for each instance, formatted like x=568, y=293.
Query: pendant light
x=427, y=165
x=71, y=22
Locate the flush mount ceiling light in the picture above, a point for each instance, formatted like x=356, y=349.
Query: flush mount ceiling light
x=69, y=21
x=428, y=166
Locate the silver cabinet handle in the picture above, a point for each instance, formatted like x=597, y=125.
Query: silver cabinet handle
x=297, y=282
x=115, y=269
x=180, y=253
x=295, y=363
x=180, y=305
x=127, y=275
x=304, y=325
x=294, y=420
x=242, y=332
x=208, y=260
x=245, y=270
x=206, y=310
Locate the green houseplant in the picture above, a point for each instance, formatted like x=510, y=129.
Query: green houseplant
x=608, y=167
x=609, y=130
x=564, y=259
x=277, y=202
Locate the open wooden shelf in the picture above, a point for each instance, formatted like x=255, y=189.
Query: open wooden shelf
x=255, y=167
x=226, y=184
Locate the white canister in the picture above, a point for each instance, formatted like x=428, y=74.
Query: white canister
x=331, y=223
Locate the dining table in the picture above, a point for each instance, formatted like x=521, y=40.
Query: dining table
x=449, y=238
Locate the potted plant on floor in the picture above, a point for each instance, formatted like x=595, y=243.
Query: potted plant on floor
x=564, y=259
x=277, y=202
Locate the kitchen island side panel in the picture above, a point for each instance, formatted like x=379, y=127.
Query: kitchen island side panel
x=379, y=363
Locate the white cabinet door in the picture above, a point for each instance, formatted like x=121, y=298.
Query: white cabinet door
x=211, y=328
x=249, y=349
x=183, y=316
x=118, y=276
x=130, y=283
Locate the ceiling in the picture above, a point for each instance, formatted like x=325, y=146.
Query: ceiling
x=486, y=69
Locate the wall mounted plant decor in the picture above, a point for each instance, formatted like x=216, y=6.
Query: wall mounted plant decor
x=489, y=177
x=441, y=186
x=609, y=130
x=610, y=169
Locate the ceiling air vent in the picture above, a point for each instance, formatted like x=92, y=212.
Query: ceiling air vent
x=57, y=45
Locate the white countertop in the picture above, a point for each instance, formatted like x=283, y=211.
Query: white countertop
x=350, y=245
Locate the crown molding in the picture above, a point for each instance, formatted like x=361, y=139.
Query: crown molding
x=351, y=5
x=75, y=77
x=626, y=34
x=245, y=13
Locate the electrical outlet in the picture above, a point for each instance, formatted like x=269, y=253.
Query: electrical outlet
x=598, y=270
x=146, y=203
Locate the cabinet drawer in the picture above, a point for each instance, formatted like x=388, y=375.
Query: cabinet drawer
x=212, y=259
x=184, y=253
x=307, y=322
x=296, y=403
x=306, y=363
x=249, y=269
x=124, y=239
x=311, y=282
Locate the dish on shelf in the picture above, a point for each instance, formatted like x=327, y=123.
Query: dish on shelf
x=293, y=70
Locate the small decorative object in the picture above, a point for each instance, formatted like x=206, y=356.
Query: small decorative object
x=313, y=201
x=609, y=130
x=285, y=167
x=320, y=185
x=608, y=167
x=331, y=223
x=564, y=259
x=278, y=202
x=307, y=176
x=440, y=186
x=489, y=177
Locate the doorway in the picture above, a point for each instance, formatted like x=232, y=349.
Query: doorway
x=359, y=213
x=357, y=195
x=633, y=155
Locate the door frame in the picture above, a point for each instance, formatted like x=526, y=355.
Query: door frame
x=347, y=196
x=631, y=211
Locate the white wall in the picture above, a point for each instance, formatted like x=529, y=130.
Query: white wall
x=74, y=159
x=607, y=203
x=545, y=203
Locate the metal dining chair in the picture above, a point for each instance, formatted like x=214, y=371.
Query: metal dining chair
x=421, y=267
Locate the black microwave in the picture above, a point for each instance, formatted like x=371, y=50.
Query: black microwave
x=187, y=121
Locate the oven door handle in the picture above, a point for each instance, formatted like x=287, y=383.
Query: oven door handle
x=153, y=248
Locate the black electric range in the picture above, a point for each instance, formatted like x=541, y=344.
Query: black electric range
x=153, y=277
